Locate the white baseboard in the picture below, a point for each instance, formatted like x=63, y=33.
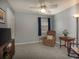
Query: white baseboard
x=32, y=42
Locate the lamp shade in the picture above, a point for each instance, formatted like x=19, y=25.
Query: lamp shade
x=76, y=15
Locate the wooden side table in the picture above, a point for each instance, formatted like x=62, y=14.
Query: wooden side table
x=66, y=40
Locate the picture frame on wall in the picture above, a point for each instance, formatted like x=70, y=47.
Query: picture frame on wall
x=2, y=16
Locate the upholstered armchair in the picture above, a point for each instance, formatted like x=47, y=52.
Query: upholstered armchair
x=50, y=39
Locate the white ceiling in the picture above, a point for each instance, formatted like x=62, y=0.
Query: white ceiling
x=27, y=5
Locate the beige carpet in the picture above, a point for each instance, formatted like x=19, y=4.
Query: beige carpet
x=39, y=51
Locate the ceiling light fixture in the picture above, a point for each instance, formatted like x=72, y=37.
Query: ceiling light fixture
x=43, y=9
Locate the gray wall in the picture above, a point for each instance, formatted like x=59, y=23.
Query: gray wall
x=3, y=5
x=65, y=20
x=27, y=27
x=10, y=18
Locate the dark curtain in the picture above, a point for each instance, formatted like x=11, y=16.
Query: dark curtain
x=49, y=25
x=39, y=26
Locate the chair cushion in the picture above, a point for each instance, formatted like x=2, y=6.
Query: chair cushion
x=50, y=37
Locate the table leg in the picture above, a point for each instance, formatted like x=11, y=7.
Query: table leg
x=60, y=43
x=65, y=44
x=73, y=43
